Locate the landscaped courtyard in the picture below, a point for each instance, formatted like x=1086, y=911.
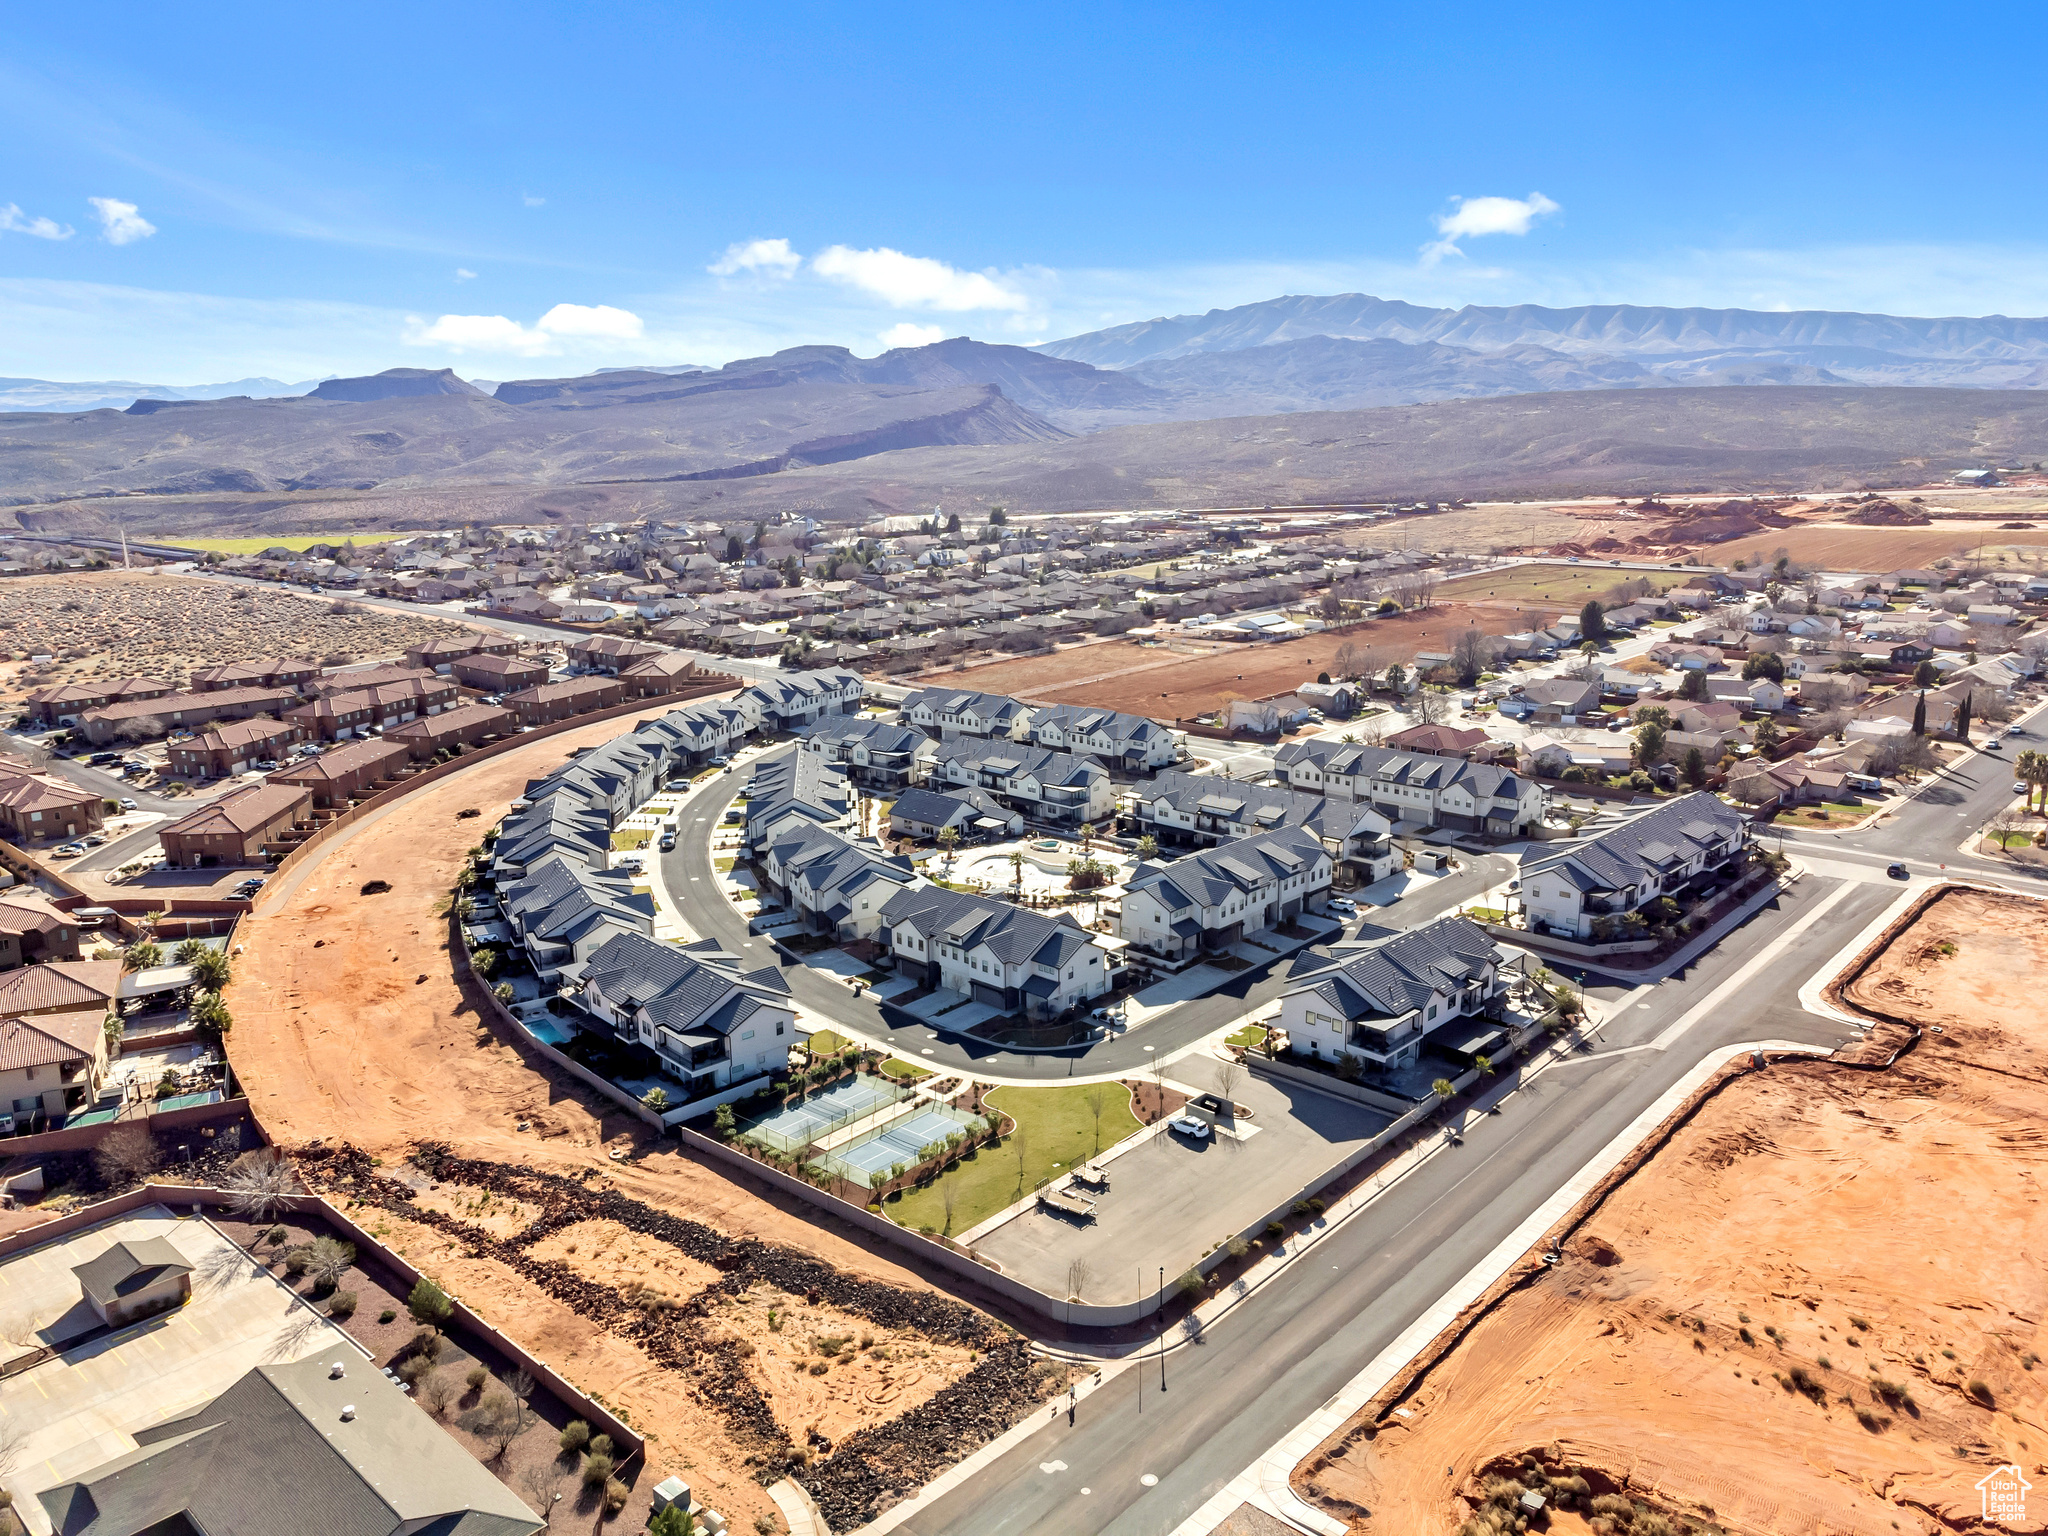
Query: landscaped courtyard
x=1056, y=1130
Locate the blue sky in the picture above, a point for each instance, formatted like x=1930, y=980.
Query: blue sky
x=199, y=193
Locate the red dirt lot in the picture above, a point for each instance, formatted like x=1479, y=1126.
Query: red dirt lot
x=1817, y=1309
x=1174, y=684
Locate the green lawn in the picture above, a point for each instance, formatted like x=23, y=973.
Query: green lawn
x=1834, y=813
x=824, y=1043
x=631, y=838
x=1056, y=1131
x=1486, y=914
x=256, y=544
x=903, y=1071
x=1248, y=1037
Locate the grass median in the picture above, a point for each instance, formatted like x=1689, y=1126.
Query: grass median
x=1057, y=1128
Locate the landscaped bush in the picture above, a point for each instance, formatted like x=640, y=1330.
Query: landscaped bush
x=296, y=1260
x=342, y=1304
x=597, y=1470
x=575, y=1436
x=425, y=1342
x=476, y=1378
x=387, y=1315
x=413, y=1367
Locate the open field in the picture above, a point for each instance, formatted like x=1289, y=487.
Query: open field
x=255, y=544
x=112, y=624
x=367, y=1039
x=1555, y=584
x=1170, y=684
x=1057, y=1131
x=1817, y=1308
x=1878, y=550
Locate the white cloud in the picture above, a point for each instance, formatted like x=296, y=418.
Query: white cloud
x=530, y=200
x=11, y=217
x=765, y=258
x=463, y=274
x=915, y=282
x=904, y=334
x=598, y=322
x=505, y=337
x=120, y=223
x=1486, y=216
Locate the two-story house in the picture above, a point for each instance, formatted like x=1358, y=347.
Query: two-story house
x=1003, y=956
x=1379, y=1002
x=950, y=712
x=1662, y=852
x=1415, y=788
x=837, y=887
x=801, y=788
x=787, y=700
x=1129, y=742
x=712, y=1023
x=1051, y=787
x=1182, y=810
x=875, y=753
x=1210, y=900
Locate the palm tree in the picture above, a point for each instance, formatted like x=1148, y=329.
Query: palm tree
x=2026, y=769
x=1148, y=847
x=1087, y=837
x=949, y=839
x=1017, y=870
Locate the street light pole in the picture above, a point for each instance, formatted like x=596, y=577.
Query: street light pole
x=1162, y=1331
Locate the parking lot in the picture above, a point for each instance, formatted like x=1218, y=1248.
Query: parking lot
x=1172, y=1198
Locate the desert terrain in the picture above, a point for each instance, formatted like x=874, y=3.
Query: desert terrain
x=110, y=624
x=1817, y=1309
x=566, y=1222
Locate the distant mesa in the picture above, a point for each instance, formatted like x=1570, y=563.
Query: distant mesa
x=396, y=384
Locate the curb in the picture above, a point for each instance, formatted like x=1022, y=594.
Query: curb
x=1266, y=1484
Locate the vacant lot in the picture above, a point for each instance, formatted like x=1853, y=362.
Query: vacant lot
x=1166, y=684
x=142, y=624
x=1817, y=1309
x=1553, y=584
x=257, y=543
x=1883, y=549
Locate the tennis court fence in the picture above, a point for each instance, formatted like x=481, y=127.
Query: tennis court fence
x=869, y=1157
x=792, y=1129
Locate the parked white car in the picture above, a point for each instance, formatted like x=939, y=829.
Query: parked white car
x=1191, y=1126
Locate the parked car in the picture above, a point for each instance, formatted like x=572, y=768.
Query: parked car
x=1194, y=1127
x=128, y=804
x=70, y=850
x=99, y=759
x=267, y=765
x=6, y=1123
x=95, y=840
x=1343, y=904
x=1103, y=1015
x=1992, y=744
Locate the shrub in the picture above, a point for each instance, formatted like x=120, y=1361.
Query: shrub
x=296, y=1260
x=476, y=1378
x=1238, y=1247
x=387, y=1315
x=429, y=1304
x=615, y=1493
x=425, y=1342
x=342, y=1304
x=1978, y=1390
x=413, y=1367
x=575, y=1436
x=1189, y=1284
x=1870, y=1419
x=274, y=1236
x=596, y=1470
x=1745, y=1335
x=601, y=1445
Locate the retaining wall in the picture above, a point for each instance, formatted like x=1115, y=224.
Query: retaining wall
x=1286, y=1072
x=82, y=1138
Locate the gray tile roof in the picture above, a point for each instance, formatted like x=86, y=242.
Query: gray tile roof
x=697, y=991
x=1209, y=877
x=1012, y=760
x=1245, y=808
x=1398, y=975
x=1385, y=765
x=1013, y=934
x=1652, y=843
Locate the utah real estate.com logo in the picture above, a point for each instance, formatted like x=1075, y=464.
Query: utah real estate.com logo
x=2004, y=1493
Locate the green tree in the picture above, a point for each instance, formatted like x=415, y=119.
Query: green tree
x=735, y=551
x=429, y=1304
x=1397, y=679
x=1593, y=621
x=210, y=1016
x=1926, y=675
x=673, y=1521
x=1963, y=718
x=949, y=839
x=953, y=523
x=1649, y=743
x=211, y=969
x=1767, y=737
x=1148, y=847
x=1693, y=687
x=1764, y=664
x=142, y=955
x=1920, y=714
x=188, y=951
x=1695, y=767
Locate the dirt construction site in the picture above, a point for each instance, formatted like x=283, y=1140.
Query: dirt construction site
x=1815, y=1308
x=747, y=1338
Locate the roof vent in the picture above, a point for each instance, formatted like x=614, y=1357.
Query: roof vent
x=336, y=1371
x=348, y=1412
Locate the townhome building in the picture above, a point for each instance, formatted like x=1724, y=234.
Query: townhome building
x=875, y=753
x=609, y=653
x=834, y=886
x=463, y=726
x=952, y=712
x=791, y=699
x=1666, y=851
x=143, y=719
x=1182, y=810
x=562, y=911
x=499, y=674
x=241, y=827
x=40, y=807
x=1208, y=901
x=1129, y=742
x=65, y=703
x=234, y=748
x=1379, y=1003
x=801, y=787
x=713, y=1022
x=1002, y=956
x=1416, y=789
x=973, y=813
x=696, y=733
x=545, y=703
x=340, y=715
x=293, y=672
x=1051, y=787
